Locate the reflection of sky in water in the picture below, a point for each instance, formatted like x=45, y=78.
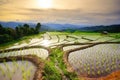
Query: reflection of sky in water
x=17, y=70
x=45, y=43
x=103, y=57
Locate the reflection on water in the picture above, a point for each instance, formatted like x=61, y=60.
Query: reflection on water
x=46, y=43
x=42, y=53
x=96, y=61
x=17, y=70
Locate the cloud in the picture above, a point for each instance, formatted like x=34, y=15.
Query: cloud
x=86, y=12
x=2, y=2
x=74, y=16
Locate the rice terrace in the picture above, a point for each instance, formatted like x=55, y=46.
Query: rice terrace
x=62, y=56
x=59, y=39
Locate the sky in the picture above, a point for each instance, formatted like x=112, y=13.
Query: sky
x=88, y=12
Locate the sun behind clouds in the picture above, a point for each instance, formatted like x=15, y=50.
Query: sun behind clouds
x=45, y=4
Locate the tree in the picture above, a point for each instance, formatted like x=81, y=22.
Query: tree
x=26, y=29
x=9, y=34
x=37, y=28
x=1, y=26
x=19, y=31
x=32, y=31
x=1, y=29
x=5, y=38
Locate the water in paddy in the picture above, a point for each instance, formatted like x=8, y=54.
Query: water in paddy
x=73, y=47
x=96, y=61
x=17, y=70
x=42, y=53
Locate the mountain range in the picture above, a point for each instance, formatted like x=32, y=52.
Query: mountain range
x=64, y=27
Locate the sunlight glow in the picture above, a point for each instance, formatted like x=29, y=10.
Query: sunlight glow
x=46, y=43
x=45, y=3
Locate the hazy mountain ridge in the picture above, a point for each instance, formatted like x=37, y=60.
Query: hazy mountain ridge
x=45, y=26
x=14, y=24
x=64, y=27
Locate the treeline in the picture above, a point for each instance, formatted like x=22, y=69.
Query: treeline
x=8, y=34
x=109, y=28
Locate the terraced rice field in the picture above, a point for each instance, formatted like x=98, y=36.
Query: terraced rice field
x=97, y=61
x=17, y=70
x=91, y=56
x=42, y=53
x=72, y=47
x=50, y=39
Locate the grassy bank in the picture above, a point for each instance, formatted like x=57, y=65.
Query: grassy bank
x=55, y=69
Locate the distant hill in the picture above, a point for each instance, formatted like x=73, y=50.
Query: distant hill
x=45, y=26
x=64, y=27
x=110, y=28
x=14, y=24
x=61, y=27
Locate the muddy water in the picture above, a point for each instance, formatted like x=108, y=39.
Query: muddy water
x=96, y=61
x=17, y=70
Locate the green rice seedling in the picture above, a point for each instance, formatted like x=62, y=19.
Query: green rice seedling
x=26, y=64
x=2, y=70
x=4, y=62
x=15, y=64
x=88, y=72
x=102, y=60
x=24, y=76
x=9, y=75
x=30, y=69
x=93, y=73
x=88, y=68
x=22, y=59
x=22, y=68
x=107, y=69
x=98, y=72
x=28, y=74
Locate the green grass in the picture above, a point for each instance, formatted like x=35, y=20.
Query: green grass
x=74, y=33
x=87, y=34
x=115, y=35
x=51, y=72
